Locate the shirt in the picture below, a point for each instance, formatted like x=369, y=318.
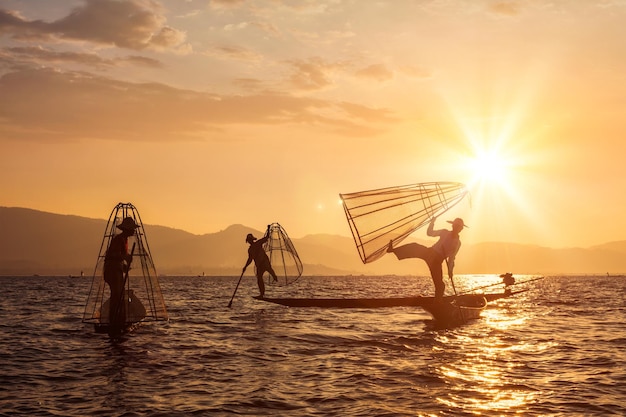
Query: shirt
x=447, y=246
x=118, y=249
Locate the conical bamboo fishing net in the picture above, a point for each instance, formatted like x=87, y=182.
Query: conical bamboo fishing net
x=143, y=293
x=283, y=257
x=391, y=214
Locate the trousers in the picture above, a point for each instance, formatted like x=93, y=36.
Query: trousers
x=433, y=259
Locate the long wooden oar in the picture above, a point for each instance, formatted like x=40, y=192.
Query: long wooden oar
x=132, y=251
x=234, y=292
x=456, y=295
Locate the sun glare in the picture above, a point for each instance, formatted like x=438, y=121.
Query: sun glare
x=488, y=167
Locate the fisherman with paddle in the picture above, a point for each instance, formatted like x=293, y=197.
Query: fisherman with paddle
x=117, y=263
x=445, y=249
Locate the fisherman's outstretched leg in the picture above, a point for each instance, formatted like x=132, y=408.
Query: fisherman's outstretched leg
x=410, y=250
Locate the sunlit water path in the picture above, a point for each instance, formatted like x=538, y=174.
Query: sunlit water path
x=554, y=350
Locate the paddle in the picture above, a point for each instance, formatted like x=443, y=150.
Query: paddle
x=455, y=293
x=234, y=292
x=132, y=251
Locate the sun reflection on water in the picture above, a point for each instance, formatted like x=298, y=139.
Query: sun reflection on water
x=482, y=364
x=481, y=382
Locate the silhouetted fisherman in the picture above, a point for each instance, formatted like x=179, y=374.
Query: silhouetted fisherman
x=445, y=248
x=116, y=264
x=261, y=261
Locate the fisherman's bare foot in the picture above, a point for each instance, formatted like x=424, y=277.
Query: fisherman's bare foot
x=390, y=247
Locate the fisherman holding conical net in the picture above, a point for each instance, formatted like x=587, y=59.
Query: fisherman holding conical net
x=445, y=249
x=116, y=262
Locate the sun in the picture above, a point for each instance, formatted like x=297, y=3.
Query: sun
x=488, y=166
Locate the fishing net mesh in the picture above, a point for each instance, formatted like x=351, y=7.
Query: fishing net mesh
x=283, y=257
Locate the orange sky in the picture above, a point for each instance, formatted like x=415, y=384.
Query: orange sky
x=209, y=113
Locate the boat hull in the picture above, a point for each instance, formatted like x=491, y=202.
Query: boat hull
x=447, y=312
x=458, y=311
x=417, y=301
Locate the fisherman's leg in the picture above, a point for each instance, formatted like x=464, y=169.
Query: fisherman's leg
x=113, y=304
x=272, y=273
x=410, y=250
x=436, y=272
x=259, y=281
x=117, y=311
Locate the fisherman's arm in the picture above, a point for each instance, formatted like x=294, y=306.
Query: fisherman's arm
x=127, y=257
x=430, y=231
x=247, y=262
x=265, y=237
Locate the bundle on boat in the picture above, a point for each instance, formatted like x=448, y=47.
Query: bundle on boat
x=379, y=216
x=140, y=295
x=283, y=257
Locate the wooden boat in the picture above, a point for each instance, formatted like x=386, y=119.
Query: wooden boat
x=417, y=301
x=447, y=312
x=458, y=311
x=135, y=313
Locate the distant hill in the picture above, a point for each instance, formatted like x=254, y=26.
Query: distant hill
x=36, y=242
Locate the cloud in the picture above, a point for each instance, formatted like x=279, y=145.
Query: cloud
x=48, y=105
x=225, y=4
x=505, y=8
x=415, y=72
x=250, y=84
x=37, y=55
x=131, y=24
x=265, y=27
x=377, y=72
x=313, y=74
x=367, y=113
x=233, y=52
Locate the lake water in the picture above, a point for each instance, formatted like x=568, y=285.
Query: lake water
x=557, y=349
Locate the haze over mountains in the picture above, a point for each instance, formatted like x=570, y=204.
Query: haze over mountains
x=36, y=242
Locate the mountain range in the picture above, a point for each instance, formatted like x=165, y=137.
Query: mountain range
x=37, y=242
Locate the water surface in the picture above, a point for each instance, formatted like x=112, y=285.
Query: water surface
x=554, y=350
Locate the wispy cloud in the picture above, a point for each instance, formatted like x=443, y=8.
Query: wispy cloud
x=505, y=8
x=48, y=105
x=377, y=72
x=312, y=74
x=38, y=55
x=233, y=52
